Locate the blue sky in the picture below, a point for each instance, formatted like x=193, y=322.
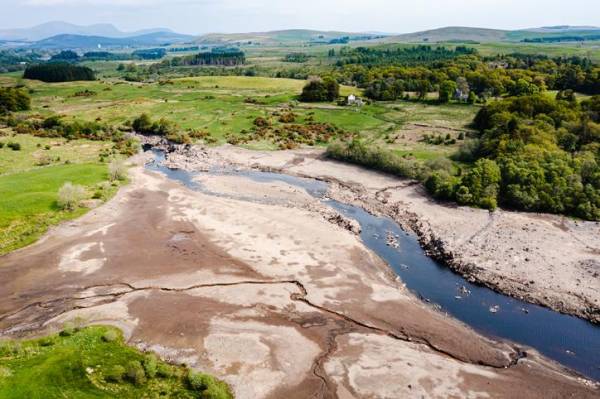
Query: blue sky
x=202, y=16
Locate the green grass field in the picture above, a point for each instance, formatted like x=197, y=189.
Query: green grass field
x=30, y=180
x=93, y=363
x=28, y=200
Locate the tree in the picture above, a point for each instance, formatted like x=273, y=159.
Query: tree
x=482, y=182
x=142, y=124
x=446, y=91
x=320, y=90
x=13, y=99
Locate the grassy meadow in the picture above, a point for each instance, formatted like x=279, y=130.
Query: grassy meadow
x=31, y=177
x=226, y=105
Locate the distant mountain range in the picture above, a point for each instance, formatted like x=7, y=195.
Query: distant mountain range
x=56, y=28
x=62, y=35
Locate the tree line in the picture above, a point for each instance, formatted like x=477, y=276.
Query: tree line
x=58, y=72
x=532, y=153
x=513, y=75
x=218, y=57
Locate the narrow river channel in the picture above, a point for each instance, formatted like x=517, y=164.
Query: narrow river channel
x=569, y=340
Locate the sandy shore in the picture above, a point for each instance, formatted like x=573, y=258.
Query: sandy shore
x=544, y=259
x=273, y=297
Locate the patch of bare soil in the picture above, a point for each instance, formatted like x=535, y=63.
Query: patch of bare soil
x=272, y=297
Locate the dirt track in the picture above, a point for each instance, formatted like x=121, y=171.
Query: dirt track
x=272, y=297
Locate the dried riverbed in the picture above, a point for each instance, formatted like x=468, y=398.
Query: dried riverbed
x=274, y=295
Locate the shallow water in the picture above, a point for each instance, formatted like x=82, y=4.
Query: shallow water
x=569, y=340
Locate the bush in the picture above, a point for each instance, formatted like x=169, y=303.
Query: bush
x=117, y=170
x=70, y=328
x=14, y=146
x=164, y=371
x=13, y=99
x=110, y=336
x=208, y=387
x=441, y=185
x=374, y=157
x=261, y=122
x=115, y=374
x=142, y=124
x=150, y=365
x=69, y=196
x=287, y=117
x=135, y=373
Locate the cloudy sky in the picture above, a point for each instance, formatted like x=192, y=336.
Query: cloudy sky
x=202, y=16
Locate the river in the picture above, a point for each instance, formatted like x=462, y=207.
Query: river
x=569, y=340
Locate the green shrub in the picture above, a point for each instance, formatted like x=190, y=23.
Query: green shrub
x=164, y=371
x=134, y=372
x=377, y=158
x=208, y=386
x=150, y=364
x=115, y=374
x=14, y=146
x=110, y=336
x=13, y=99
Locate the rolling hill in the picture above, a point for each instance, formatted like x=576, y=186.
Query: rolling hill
x=290, y=36
x=68, y=41
x=483, y=35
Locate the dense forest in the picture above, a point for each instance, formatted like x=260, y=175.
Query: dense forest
x=58, y=72
x=149, y=54
x=104, y=56
x=403, y=55
x=563, y=38
x=222, y=57
x=532, y=153
x=386, y=75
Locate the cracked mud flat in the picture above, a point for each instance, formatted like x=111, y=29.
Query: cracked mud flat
x=544, y=259
x=274, y=298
